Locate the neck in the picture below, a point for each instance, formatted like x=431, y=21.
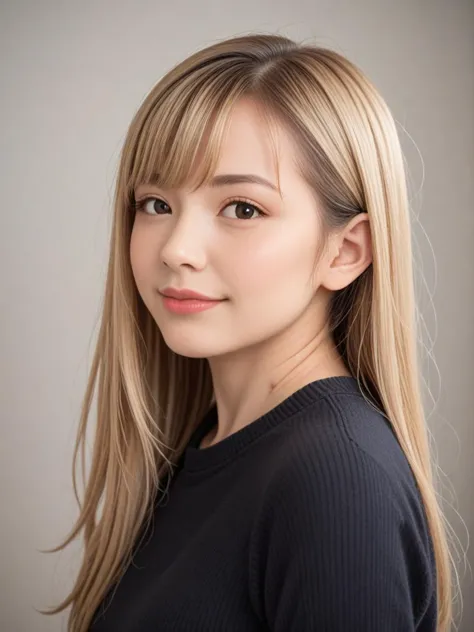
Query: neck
x=250, y=382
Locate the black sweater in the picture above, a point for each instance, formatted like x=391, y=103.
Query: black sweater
x=308, y=519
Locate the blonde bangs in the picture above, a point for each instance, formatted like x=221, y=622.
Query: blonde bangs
x=180, y=139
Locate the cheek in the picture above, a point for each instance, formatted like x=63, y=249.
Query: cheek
x=272, y=286
x=277, y=264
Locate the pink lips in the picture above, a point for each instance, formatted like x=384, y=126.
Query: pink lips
x=187, y=301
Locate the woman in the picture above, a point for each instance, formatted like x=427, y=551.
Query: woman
x=261, y=459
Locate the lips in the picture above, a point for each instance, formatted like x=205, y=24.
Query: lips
x=183, y=302
x=186, y=294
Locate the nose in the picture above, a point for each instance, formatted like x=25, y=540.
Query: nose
x=185, y=244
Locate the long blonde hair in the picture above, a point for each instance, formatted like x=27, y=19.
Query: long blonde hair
x=149, y=399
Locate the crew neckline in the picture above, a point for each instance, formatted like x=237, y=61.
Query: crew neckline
x=196, y=459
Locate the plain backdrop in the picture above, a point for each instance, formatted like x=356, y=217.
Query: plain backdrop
x=72, y=76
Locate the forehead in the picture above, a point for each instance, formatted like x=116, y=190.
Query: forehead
x=249, y=145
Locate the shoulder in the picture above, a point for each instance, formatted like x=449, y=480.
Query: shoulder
x=336, y=460
x=343, y=510
x=341, y=454
x=341, y=442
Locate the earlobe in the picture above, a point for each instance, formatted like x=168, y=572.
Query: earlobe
x=351, y=254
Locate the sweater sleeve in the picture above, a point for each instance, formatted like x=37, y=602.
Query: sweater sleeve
x=332, y=551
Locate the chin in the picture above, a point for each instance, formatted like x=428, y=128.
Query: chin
x=192, y=346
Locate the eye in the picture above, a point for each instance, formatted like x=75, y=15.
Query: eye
x=152, y=206
x=243, y=210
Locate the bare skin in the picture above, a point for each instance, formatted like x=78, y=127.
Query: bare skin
x=268, y=337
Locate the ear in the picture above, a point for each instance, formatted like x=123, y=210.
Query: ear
x=349, y=253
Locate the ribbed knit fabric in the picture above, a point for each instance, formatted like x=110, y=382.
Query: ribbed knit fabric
x=308, y=519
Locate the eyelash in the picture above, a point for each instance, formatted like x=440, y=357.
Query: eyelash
x=139, y=206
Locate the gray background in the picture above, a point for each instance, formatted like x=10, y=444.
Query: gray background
x=72, y=75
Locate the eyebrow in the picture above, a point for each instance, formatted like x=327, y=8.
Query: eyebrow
x=226, y=179
x=236, y=178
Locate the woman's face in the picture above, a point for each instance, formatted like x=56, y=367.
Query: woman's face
x=237, y=242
